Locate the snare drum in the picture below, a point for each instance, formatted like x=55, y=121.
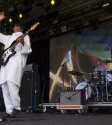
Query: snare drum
x=97, y=76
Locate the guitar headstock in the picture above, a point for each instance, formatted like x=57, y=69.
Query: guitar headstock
x=34, y=26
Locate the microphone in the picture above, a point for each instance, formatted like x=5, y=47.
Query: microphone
x=68, y=98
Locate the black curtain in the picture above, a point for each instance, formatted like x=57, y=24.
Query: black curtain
x=41, y=55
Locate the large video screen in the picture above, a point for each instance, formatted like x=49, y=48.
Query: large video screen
x=70, y=52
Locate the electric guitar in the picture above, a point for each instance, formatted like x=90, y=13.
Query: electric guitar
x=9, y=52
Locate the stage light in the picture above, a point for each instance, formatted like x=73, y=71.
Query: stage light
x=13, y=17
x=51, y=31
x=64, y=28
x=20, y=15
x=106, y=3
x=55, y=2
x=52, y=2
x=10, y=20
x=23, y=14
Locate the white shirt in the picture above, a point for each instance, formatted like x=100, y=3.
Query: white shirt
x=13, y=70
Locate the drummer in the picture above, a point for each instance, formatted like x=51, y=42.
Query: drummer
x=99, y=66
x=102, y=70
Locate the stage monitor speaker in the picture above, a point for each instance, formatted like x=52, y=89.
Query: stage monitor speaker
x=72, y=97
x=30, y=90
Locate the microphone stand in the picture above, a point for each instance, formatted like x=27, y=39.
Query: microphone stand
x=63, y=71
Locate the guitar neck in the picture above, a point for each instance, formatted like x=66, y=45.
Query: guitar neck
x=13, y=46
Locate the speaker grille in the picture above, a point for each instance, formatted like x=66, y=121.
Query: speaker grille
x=30, y=89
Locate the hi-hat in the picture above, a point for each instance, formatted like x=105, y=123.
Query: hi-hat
x=109, y=72
x=75, y=73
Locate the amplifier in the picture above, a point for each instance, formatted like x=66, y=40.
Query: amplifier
x=31, y=67
x=30, y=90
x=72, y=97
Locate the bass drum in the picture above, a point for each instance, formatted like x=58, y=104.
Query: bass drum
x=91, y=92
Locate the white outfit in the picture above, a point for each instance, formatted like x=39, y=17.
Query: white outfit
x=11, y=74
x=11, y=96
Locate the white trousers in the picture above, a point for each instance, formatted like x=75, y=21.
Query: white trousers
x=11, y=96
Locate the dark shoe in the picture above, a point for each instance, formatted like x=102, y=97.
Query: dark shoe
x=12, y=116
x=14, y=113
x=6, y=115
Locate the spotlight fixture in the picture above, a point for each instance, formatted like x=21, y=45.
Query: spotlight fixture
x=20, y=15
x=13, y=18
x=106, y=3
x=63, y=28
x=23, y=14
x=51, y=31
x=52, y=2
x=10, y=20
x=55, y=2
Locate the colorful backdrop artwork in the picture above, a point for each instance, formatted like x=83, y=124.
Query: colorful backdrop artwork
x=77, y=53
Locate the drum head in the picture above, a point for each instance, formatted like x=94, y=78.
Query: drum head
x=81, y=86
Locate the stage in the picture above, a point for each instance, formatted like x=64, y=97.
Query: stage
x=57, y=118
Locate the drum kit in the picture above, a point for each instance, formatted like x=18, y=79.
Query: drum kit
x=98, y=87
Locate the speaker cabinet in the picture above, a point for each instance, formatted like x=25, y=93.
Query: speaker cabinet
x=30, y=90
x=72, y=98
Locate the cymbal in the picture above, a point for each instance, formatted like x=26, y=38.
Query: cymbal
x=86, y=73
x=75, y=73
x=109, y=72
x=106, y=61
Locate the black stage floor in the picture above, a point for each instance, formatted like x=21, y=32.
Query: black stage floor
x=58, y=119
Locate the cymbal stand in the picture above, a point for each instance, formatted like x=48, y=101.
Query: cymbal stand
x=110, y=91
x=106, y=85
x=96, y=91
x=70, y=84
x=76, y=77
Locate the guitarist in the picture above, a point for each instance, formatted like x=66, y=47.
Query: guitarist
x=11, y=73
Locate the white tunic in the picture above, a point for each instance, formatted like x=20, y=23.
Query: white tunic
x=13, y=70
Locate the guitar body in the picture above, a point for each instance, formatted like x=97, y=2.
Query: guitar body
x=7, y=54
